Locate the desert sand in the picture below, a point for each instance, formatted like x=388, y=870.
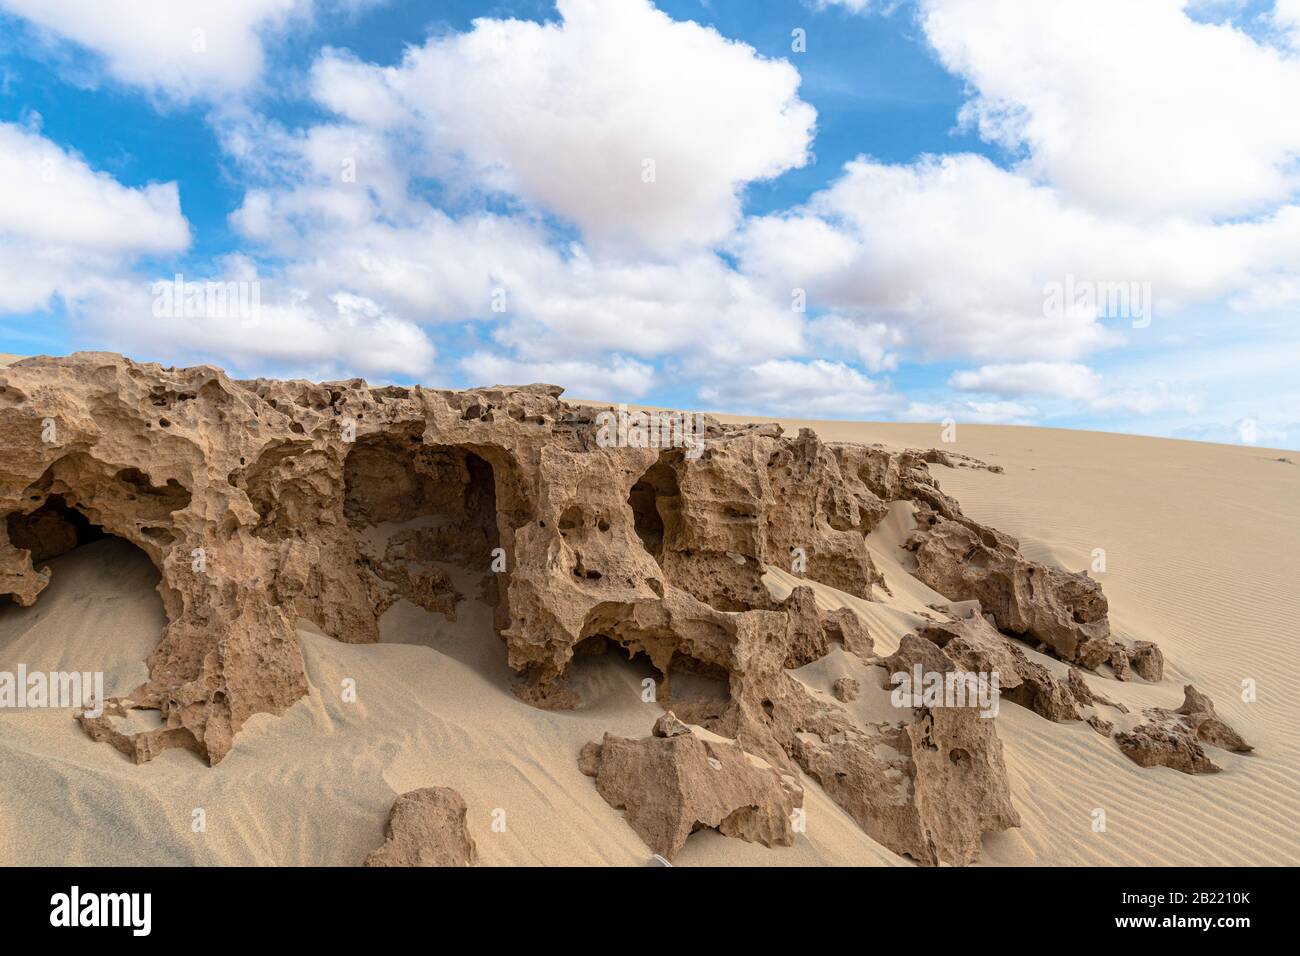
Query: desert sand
x=1200, y=543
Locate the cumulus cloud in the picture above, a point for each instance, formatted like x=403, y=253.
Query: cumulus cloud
x=369, y=233
x=960, y=255
x=578, y=116
x=180, y=49
x=618, y=377
x=1058, y=379
x=813, y=389
x=274, y=328
x=1179, y=118
x=64, y=227
x=1077, y=385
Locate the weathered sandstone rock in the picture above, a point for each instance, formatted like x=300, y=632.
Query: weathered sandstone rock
x=1197, y=711
x=1103, y=727
x=1086, y=696
x=672, y=784
x=669, y=726
x=845, y=689
x=976, y=647
x=1147, y=659
x=1173, y=738
x=426, y=827
x=1165, y=743
x=928, y=786
x=1119, y=662
x=964, y=560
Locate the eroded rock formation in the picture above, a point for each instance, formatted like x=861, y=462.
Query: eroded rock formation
x=426, y=827
x=268, y=503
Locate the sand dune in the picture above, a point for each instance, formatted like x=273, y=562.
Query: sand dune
x=1202, y=558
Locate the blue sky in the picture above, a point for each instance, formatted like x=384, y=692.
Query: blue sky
x=868, y=225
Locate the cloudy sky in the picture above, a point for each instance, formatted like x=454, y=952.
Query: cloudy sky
x=1080, y=213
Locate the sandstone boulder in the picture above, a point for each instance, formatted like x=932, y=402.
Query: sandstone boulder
x=1174, y=738
x=845, y=689
x=426, y=828
x=1147, y=660
x=670, y=786
x=928, y=786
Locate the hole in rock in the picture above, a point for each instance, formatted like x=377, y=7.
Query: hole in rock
x=424, y=515
x=654, y=498
x=604, y=671
x=697, y=682
x=51, y=530
x=100, y=614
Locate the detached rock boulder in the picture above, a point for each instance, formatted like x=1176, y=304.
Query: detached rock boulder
x=426, y=828
x=1147, y=659
x=670, y=786
x=669, y=726
x=1164, y=743
x=1198, y=712
x=843, y=626
x=845, y=689
x=810, y=631
x=1173, y=738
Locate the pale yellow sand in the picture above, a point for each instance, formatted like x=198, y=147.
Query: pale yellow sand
x=1201, y=544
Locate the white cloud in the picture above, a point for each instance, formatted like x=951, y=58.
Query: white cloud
x=1076, y=385
x=874, y=343
x=181, y=49
x=974, y=412
x=310, y=335
x=549, y=301
x=815, y=389
x=615, y=378
x=957, y=254
x=1058, y=379
x=565, y=115
x=1130, y=108
x=65, y=226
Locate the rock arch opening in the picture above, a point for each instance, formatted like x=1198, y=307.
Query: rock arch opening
x=425, y=520
x=99, y=610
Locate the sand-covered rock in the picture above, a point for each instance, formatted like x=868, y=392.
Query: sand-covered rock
x=672, y=783
x=426, y=827
x=842, y=626
x=845, y=689
x=964, y=560
x=1147, y=660
x=1084, y=695
x=1174, y=738
x=927, y=786
x=974, y=646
